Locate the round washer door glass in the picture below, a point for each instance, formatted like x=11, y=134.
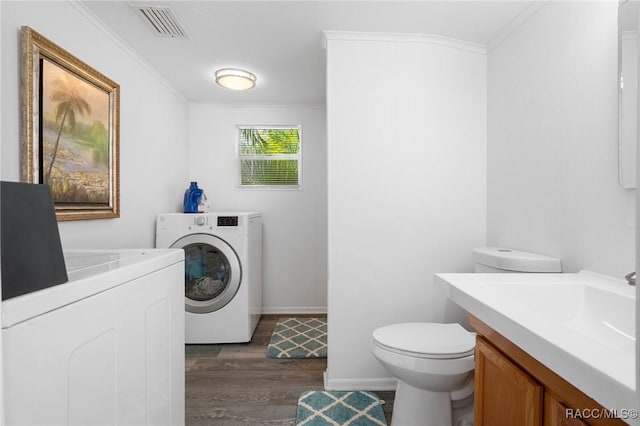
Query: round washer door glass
x=212, y=272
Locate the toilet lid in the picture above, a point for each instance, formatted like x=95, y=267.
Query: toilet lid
x=427, y=340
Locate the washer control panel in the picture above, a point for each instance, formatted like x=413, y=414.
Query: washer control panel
x=227, y=220
x=213, y=220
x=198, y=220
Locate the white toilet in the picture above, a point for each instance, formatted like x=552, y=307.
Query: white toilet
x=434, y=362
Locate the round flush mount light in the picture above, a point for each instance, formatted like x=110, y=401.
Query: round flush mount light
x=235, y=79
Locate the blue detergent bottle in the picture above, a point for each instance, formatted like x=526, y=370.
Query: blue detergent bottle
x=192, y=197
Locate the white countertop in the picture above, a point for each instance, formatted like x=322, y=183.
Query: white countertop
x=581, y=326
x=90, y=272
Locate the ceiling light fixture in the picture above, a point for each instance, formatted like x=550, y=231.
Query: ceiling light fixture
x=235, y=79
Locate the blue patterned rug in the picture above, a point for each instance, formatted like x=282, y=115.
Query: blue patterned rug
x=298, y=337
x=322, y=408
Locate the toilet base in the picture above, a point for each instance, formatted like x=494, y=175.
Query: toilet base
x=417, y=407
x=462, y=412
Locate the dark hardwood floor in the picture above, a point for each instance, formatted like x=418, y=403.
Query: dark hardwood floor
x=235, y=384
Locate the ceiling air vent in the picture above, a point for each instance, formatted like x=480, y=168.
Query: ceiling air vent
x=163, y=21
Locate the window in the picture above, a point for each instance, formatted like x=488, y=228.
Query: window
x=270, y=156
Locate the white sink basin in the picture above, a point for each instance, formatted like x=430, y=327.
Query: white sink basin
x=605, y=314
x=582, y=326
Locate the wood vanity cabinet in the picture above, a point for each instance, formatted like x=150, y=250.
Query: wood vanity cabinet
x=504, y=394
x=556, y=413
x=513, y=388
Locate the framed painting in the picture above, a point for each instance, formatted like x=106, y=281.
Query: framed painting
x=70, y=130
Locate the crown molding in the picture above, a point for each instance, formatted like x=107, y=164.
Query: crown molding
x=88, y=13
x=528, y=13
x=402, y=38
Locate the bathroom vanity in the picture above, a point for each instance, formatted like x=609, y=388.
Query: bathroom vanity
x=552, y=349
x=512, y=387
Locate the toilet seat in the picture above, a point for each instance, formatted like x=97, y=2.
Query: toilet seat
x=426, y=340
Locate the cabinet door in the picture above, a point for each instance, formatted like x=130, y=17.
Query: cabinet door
x=555, y=413
x=504, y=394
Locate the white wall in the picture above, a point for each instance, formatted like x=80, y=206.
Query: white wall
x=637, y=242
x=153, y=132
x=1, y=347
x=628, y=111
x=552, y=140
x=406, y=167
x=295, y=233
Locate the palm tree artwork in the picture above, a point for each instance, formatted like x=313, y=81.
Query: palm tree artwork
x=69, y=103
x=75, y=138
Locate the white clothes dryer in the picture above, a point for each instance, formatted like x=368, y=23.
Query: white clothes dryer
x=223, y=272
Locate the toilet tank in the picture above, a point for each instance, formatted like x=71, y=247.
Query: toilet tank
x=497, y=259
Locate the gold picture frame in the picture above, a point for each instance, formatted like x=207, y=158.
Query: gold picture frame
x=70, y=135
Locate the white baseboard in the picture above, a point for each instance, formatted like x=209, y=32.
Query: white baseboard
x=294, y=310
x=379, y=384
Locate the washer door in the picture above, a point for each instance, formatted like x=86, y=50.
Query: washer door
x=212, y=272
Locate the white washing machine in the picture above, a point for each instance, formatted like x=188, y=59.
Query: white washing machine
x=104, y=348
x=223, y=272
